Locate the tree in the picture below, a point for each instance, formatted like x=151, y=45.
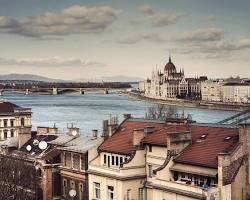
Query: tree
x=17, y=179
x=161, y=112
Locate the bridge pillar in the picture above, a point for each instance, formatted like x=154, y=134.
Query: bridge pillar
x=81, y=91
x=106, y=91
x=27, y=91
x=55, y=91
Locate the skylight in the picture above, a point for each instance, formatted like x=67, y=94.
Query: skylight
x=203, y=136
x=228, y=138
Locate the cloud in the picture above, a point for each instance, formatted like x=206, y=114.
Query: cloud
x=210, y=43
x=50, y=62
x=153, y=37
x=146, y=9
x=159, y=19
x=73, y=20
x=202, y=35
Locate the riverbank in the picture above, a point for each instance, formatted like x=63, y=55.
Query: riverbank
x=190, y=103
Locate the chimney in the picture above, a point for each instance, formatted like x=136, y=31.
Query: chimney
x=126, y=116
x=47, y=130
x=111, y=129
x=23, y=136
x=138, y=135
x=105, y=124
x=113, y=125
x=73, y=131
x=94, y=133
x=149, y=129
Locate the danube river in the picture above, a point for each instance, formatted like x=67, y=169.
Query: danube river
x=87, y=111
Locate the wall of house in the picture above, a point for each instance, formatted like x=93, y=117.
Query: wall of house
x=120, y=187
x=164, y=195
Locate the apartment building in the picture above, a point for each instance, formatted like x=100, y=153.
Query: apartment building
x=173, y=159
x=12, y=118
x=211, y=90
x=236, y=92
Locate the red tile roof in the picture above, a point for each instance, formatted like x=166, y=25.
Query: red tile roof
x=7, y=107
x=204, y=152
x=122, y=141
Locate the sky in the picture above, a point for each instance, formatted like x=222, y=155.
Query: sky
x=89, y=39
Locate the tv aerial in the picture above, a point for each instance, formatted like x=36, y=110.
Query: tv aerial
x=72, y=193
x=42, y=145
x=28, y=147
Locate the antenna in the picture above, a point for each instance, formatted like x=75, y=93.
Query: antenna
x=28, y=148
x=72, y=193
x=42, y=145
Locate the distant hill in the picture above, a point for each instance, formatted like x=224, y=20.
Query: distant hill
x=30, y=77
x=112, y=79
x=33, y=77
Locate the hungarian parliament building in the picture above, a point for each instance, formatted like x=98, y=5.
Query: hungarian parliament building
x=172, y=84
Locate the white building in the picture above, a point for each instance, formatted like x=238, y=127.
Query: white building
x=12, y=119
x=172, y=84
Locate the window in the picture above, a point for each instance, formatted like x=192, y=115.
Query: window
x=141, y=194
x=183, y=175
x=110, y=192
x=11, y=133
x=150, y=172
x=129, y=196
x=105, y=159
x=76, y=161
x=72, y=184
x=97, y=190
x=83, y=167
x=117, y=161
x=5, y=122
x=108, y=161
x=64, y=187
x=121, y=160
x=22, y=121
x=80, y=191
x=5, y=132
x=12, y=123
x=150, y=148
x=113, y=160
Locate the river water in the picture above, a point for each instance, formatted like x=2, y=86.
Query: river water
x=87, y=111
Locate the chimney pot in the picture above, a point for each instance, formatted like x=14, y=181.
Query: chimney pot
x=94, y=133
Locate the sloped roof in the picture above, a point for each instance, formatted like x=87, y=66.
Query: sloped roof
x=7, y=107
x=204, y=151
x=121, y=142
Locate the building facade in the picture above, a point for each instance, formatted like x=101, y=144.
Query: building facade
x=171, y=84
x=12, y=119
x=211, y=90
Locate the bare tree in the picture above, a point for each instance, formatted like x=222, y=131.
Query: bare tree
x=17, y=179
x=161, y=112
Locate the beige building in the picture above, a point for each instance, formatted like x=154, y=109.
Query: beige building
x=236, y=92
x=211, y=90
x=12, y=119
x=173, y=159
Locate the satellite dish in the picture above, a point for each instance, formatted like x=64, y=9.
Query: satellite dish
x=43, y=145
x=74, y=133
x=35, y=142
x=72, y=193
x=28, y=148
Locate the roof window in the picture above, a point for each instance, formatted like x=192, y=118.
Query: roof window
x=204, y=136
x=228, y=138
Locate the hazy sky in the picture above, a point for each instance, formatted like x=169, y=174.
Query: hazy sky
x=73, y=39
